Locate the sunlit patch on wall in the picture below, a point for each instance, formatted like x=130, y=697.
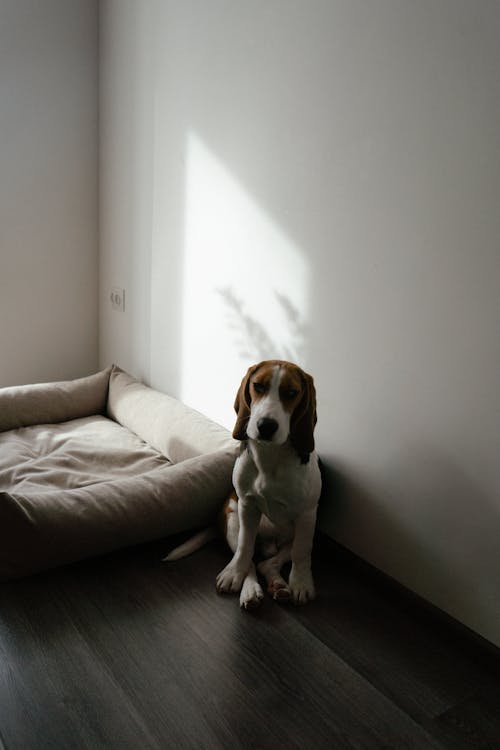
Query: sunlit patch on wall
x=245, y=293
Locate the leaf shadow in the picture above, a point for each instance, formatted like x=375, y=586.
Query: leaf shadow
x=253, y=341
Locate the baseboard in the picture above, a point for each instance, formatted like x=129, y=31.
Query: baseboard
x=485, y=650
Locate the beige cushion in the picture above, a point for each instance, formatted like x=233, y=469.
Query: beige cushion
x=47, y=403
x=73, y=454
x=167, y=424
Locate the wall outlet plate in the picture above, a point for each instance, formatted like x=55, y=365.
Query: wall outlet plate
x=117, y=297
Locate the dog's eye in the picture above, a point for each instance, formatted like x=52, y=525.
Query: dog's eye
x=259, y=387
x=290, y=393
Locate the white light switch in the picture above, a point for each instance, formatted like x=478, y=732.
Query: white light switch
x=117, y=298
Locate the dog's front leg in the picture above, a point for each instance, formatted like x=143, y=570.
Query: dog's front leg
x=301, y=581
x=230, y=579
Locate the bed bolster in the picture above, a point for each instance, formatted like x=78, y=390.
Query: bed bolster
x=49, y=403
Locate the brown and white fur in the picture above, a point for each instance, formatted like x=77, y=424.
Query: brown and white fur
x=277, y=485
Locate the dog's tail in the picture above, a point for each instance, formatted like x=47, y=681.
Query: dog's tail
x=193, y=544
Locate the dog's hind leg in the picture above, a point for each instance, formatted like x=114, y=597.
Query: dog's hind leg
x=271, y=570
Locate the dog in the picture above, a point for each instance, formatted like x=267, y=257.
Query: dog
x=277, y=485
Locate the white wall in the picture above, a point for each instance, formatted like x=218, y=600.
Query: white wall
x=320, y=181
x=48, y=189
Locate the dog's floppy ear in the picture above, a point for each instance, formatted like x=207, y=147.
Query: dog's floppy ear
x=304, y=420
x=242, y=405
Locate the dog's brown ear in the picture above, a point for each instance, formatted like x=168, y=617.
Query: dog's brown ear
x=242, y=406
x=304, y=420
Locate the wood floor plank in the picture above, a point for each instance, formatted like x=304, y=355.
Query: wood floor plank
x=411, y=660
x=471, y=725
x=268, y=658
x=124, y=652
x=179, y=686
x=319, y=688
x=52, y=692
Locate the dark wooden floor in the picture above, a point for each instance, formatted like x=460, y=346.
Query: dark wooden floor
x=124, y=652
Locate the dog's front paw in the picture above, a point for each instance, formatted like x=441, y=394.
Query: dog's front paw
x=230, y=579
x=251, y=594
x=301, y=585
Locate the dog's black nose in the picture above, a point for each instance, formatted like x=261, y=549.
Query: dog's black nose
x=267, y=427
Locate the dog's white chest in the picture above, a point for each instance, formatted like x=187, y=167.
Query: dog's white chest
x=280, y=486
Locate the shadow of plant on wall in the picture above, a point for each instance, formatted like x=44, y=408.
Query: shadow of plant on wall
x=253, y=341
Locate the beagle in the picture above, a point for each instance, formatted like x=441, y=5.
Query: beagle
x=277, y=484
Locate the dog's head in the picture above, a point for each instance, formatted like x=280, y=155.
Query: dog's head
x=276, y=401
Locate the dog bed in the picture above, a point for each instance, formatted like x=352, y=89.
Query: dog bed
x=94, y=464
